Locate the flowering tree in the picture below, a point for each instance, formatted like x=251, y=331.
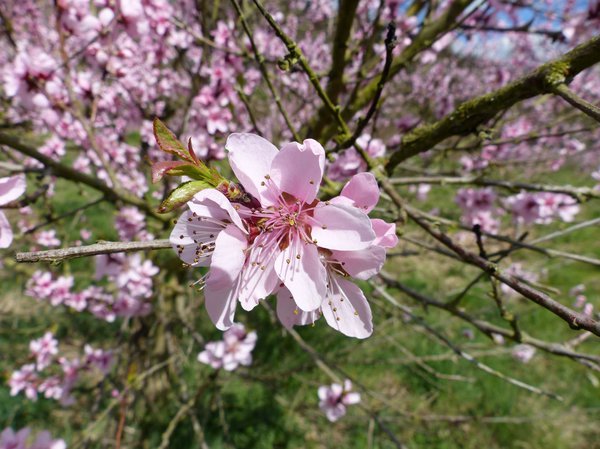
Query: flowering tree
x=183, y=157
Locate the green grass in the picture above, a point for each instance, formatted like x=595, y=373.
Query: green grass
x=274, y=403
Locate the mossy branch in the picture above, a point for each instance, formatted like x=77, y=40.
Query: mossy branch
x=479, y=110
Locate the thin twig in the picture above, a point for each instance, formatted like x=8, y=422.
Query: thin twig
x=563, y=91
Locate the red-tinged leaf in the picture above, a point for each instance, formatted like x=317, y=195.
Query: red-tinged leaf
x=181, y=195
x=192, y=152
x=168, y=142
x=160, y=169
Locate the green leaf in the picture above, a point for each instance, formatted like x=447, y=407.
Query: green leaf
x=182, y=195
x=168, y=142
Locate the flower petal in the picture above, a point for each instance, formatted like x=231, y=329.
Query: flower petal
x=6, y=234
x=341, y=227
x=346, y=309
x=213, y=204
x=193, y=239
x=250, y=157
x=300, y=269
x=222, y=285
x=289, y=314
x=361, y=264
x=259, y=278
x=363, y=190
x=385, y=233
x=11, y=188
x=298, y=169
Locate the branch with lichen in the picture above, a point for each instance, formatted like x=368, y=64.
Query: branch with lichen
x=66, y=172
x=58, y=255
x=479, y=110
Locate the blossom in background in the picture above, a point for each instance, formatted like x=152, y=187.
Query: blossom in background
x=47, y=238
x=11, y=188
x=42, y=378
x=43, y=349
x=523, y=353
x=9, y=439
x=333, y=399
x=234, y=350
x=283, y=239
x=478, y=208
x=542, y=207
x=349, y=162
x=516, y=270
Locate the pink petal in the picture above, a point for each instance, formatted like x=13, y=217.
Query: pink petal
x=363, y=190
x=289, y=314
x=385, y=232
x=346, y=309
x=305, y=277
x=6, y=234
x=351, y=398
x=11, y=188
x=212, y=203
x=185, y=241
x=259, y=278
x=298, y=169
x=361, y=264
x=223, y=280
x=341, y=227
x=250, y=157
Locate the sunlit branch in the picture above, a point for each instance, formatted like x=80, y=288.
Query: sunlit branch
x=576, y=320
x=563, y=91
x=479, y=110
x=57, y=255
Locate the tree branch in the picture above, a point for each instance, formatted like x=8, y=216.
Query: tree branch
x=563, y=91
x=479, y=110
x=579, y=193
x=67, y=172
x=57, y=255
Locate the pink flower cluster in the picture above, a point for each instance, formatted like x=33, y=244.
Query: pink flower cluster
x=23, y=439
x=130, y=275
x=334, y=399
x=523, y=353
x=234, y=350
x=281, y=239
x=349, y=162
x=478, y=207
x=542, y=207
x=54, y=376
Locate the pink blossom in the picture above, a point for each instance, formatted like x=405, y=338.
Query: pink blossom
x=43, y=349
x=234, y=350
x=333, y=399
x=47, y=238
x=523, y=353
x=282, y=238
x=11, y=188
x=98, y=358
x=24, y=379
x=9, y=439
x=350, y=162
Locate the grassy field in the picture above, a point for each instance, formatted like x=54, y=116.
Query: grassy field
x=412, y=385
